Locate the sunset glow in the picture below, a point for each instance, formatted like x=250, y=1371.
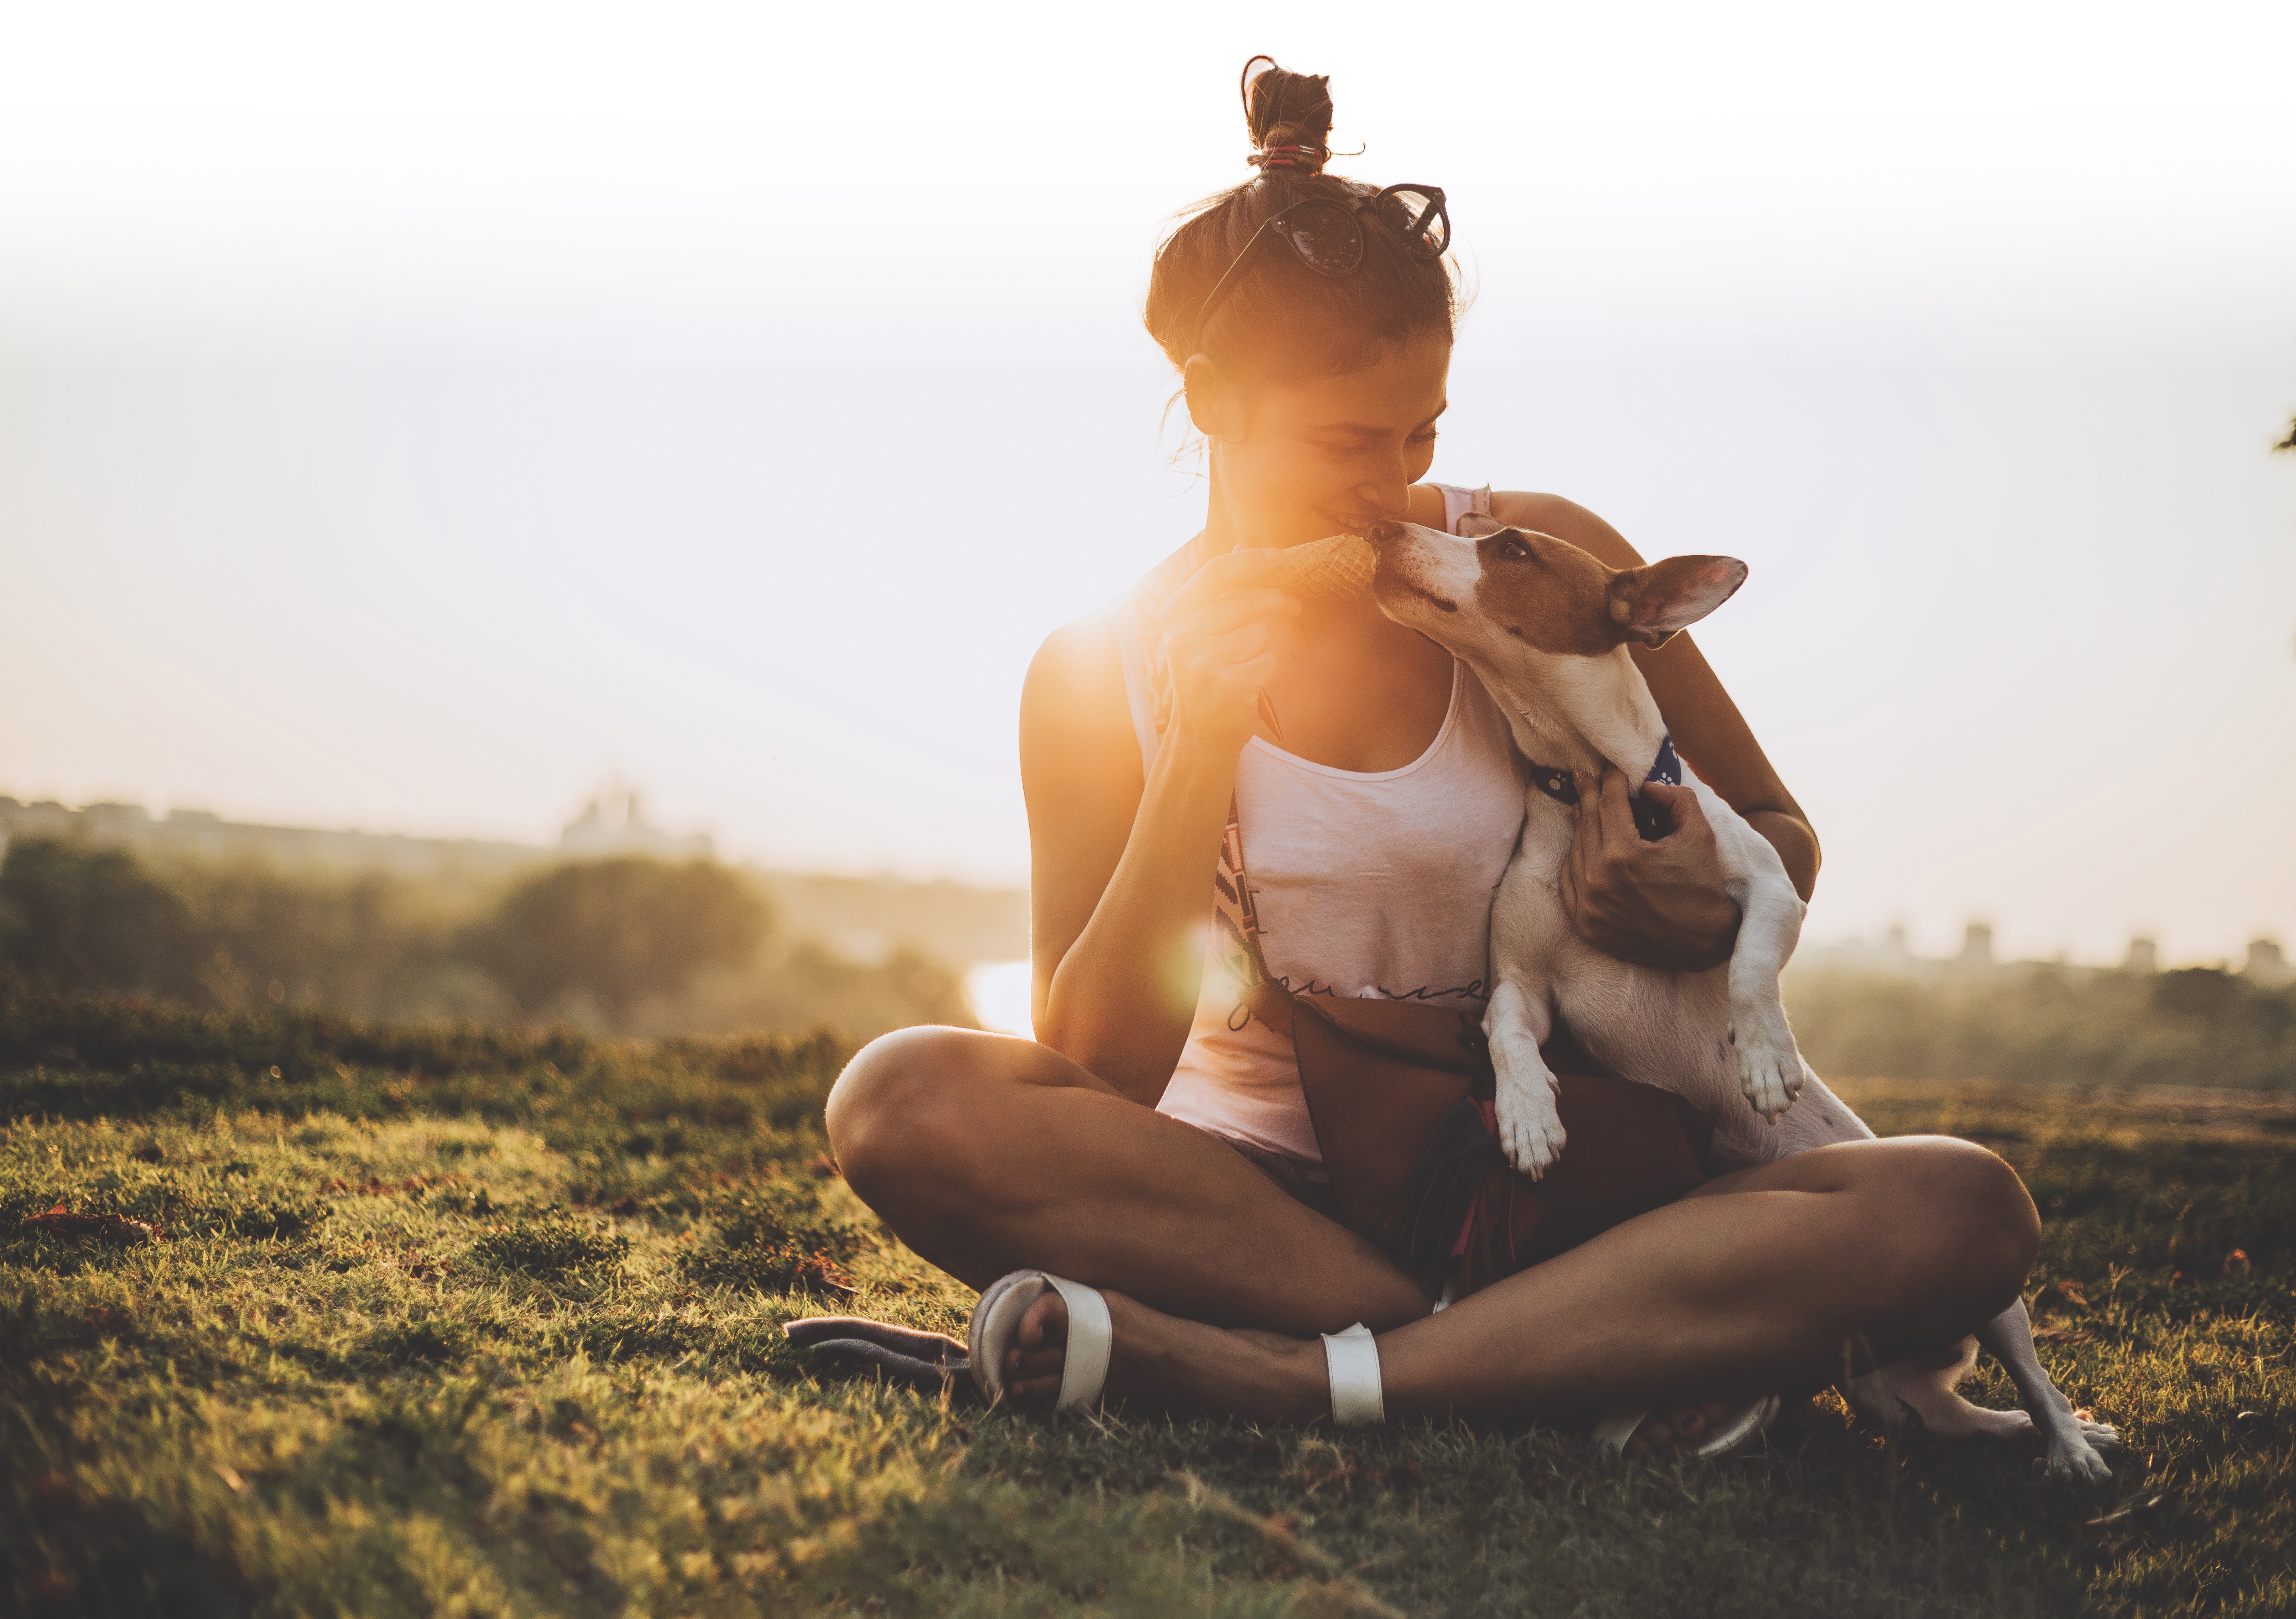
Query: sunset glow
x=400, y=434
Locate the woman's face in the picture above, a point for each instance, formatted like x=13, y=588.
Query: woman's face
x=1295, y=461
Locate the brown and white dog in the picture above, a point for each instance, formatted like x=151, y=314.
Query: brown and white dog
x=1546, y=626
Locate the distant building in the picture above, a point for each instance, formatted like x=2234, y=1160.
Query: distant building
x=613, y=822
x=118, y=825
x=202, y=834
x=2268, y=965
x=1977, y=958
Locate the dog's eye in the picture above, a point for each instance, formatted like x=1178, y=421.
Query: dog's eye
x=1514, y=550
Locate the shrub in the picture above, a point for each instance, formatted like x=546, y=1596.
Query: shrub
x=74, y=918
x=2046, y=1025
x=619, y=931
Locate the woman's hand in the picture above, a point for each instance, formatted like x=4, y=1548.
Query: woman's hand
x=1225, y=632
x=1658, y=904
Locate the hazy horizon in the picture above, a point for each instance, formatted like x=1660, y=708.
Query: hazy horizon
x=402, y=437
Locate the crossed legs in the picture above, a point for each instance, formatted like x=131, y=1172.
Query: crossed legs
x=986, y=1154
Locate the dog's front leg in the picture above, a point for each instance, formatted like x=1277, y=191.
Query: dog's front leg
x=1518, y=1022
x=2074, y=1440
x=1769, y=1063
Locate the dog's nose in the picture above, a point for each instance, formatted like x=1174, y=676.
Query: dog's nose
x=1381, y=533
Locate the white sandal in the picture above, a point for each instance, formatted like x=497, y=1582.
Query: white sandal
x=996, y=1323
x=1350, y=1358
x=1351, y=1361
x=1736, y=1433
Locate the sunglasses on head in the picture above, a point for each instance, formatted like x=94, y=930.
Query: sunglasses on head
x=1327, y=233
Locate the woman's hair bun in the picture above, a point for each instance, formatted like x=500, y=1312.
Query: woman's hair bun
x=1290, y=115
x=1282, y=318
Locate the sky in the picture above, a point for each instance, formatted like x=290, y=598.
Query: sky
x=408, y=415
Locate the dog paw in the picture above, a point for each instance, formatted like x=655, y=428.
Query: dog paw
x=1530, y=1131
x=1770, y=1070
x=2078, y=1461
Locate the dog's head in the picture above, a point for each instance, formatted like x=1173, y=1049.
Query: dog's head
x=1523, y=608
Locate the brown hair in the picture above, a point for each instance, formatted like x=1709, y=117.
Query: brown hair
x=1280, y=317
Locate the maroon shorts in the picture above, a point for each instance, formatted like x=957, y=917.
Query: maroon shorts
x=1292, y=1178
x=1633, y=1148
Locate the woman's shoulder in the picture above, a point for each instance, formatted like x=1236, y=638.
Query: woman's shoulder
x=1076, y=717
x=1078, y=657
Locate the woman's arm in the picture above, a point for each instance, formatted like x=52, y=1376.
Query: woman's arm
x=1614, y=906
x=1121, y=867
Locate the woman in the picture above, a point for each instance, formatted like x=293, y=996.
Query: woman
x=1152, y=1149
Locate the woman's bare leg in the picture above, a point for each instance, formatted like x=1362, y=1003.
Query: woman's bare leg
x=986, y=1154
x=1763, y=1279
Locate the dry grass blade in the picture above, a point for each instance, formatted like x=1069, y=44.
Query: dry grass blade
x=2136, y=1509
x=1280, y=1529
x=61, y=1221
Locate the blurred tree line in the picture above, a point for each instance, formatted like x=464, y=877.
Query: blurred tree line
x=624, y=946
x=640, y=947
x=2045, y=1025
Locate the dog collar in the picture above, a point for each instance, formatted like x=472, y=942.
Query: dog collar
x=1653, y=822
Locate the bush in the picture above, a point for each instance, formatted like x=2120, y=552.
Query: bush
x=73, y=918
x=369, y=942
x=619, y=931
x=2046, y=1026
x=629, y=947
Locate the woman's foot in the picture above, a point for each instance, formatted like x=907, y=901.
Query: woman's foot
x=1185, y=1365
x=1173, y=1365
x=1680, y=1429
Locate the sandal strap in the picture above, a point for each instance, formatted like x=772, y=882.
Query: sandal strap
x=1738, y=1432
x=1617, y=1428
x=1351, y=1357
x=1742, y=1434
x=996, y=1318
x=1092, y=1339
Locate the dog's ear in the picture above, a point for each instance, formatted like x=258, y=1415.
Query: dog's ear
x=1650, y=603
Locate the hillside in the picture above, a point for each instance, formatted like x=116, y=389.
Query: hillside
x=489, y=1322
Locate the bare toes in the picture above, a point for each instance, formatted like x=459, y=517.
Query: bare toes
x=1045, y=1323
x=1024, y=1364
x=1692, y=1420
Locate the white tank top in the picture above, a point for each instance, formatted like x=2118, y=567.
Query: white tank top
x=1367, y=884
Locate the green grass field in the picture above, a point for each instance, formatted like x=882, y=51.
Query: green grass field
x=474, y=1322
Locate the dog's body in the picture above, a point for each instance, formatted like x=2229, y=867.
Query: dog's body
x=1546, y=627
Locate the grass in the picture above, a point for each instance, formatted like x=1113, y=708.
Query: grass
x=473, y=1322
